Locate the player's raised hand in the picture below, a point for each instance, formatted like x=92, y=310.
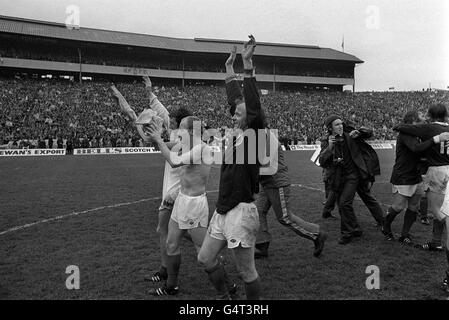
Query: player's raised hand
x=231, y=59
x=248, y=48
x=147, y=82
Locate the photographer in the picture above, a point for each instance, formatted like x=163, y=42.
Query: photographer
x=349, y=166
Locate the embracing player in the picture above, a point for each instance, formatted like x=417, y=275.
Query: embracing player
x=437, y=176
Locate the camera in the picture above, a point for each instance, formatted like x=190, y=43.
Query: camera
x=339, y=139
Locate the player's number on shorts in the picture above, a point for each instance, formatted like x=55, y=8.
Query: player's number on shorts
x=373, y=280
x=73, y=280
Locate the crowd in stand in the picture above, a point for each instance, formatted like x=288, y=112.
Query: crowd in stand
x=86, y=115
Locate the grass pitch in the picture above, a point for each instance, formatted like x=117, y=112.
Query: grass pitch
x=100, y=214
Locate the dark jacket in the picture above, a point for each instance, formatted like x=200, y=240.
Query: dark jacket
x=363, y=155
x=406, y=169
x=239, y=182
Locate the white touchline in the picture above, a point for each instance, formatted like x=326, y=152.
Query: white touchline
x=28, y=225
x=80, y=212
x=321, y=190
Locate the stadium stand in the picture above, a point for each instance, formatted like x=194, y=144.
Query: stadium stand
x=304, y=83
x=35, y=109
x=100, y=53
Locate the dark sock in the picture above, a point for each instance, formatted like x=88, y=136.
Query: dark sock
x=163, y=271
x=173, y=264
x=423, y=208
x=391, y=214
x=252, y=289
x=262, y=246
x=229, y=283
x=409, y=219
x=437, y=232
x=217, y=275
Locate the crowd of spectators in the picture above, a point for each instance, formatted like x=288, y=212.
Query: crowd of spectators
x=75, y=115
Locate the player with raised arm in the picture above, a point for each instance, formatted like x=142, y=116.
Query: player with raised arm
x=275, y=193
x=171, y=183
x=235, y=221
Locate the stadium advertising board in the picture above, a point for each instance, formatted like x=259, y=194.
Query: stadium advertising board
x=32, y=152
x=129, y=150
x=317, y=147
x=381, y=145
x=304, y=147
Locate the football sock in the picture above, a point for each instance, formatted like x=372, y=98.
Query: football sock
x=163, y=271
x=409, y=219
x=217, y=275
x=252, y=289
x=173, y=264
x=437, y=232
x=391, y=214
x=423, y=207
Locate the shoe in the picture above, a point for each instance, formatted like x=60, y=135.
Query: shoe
x=319, y=244
x=405, y=240
x=357, y=234
x=329, y=216
x=345, y=240
x=388, y=235
x=425, y=221
x=429, y=246
x=446, y=282
x=164, y=291
x=156, y=277
x=233, y=292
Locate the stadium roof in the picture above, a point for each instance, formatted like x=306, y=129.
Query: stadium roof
x=60, y=31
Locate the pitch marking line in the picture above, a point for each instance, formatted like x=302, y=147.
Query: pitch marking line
x=57, y=218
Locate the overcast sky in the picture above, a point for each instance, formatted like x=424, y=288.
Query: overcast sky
x=404, y=43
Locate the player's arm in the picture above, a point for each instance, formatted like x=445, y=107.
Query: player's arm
x=254, y=111
x=415, y=145
x=233, y=90
x=416, y=130
x=420, y=131
x=123, y=104
x=128, y=111
x=229, y=64
x=155, y=104
x=172, y=156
